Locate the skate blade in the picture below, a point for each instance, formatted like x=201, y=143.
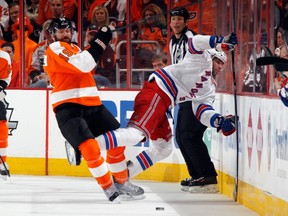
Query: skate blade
x=116, y=201
x=128, y=197
x=185, y=188
x=204, y=189
x=6, y=178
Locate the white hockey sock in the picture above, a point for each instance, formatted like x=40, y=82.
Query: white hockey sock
x=121, y=137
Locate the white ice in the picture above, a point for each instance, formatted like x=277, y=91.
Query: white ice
x=55, y=195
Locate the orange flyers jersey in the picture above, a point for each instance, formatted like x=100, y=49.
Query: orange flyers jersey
x=5, y=67
x=69, y=70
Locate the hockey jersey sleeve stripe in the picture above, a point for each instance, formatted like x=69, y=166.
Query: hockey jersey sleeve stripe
x=191, y=47
x=201, y=109
x=144, y=160
x=168, y=82
x=63, y=95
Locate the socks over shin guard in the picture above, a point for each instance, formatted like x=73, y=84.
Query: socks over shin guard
x=3, y=139
x=117, y=164
x=95, y=162
x=121, y=137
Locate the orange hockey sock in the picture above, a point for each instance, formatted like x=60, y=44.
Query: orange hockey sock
x=95, y=162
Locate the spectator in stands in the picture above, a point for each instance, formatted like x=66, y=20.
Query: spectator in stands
x=37, y=76
x=37, y=79
x=281, y=49
x=150, y=30
x=16, y=78
x=101, y=73
x=31, y=10
x=46, y=12
x=106, y=62
x=38, y=55
x=14, y=11
x=116, y=8
x=158, y=61
x=139, y=5
x=30, y=45
x=100, y=17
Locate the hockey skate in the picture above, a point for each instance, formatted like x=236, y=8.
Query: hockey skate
x=112, y=193
x=4, y=171
x=73, y=157
x=129, y=191
x=204, y=185
x=185, y=184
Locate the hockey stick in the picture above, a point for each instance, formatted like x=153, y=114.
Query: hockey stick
x=5, y=167
x=270, y=60
x=235, y=193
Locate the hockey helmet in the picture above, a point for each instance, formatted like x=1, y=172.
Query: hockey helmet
x=220, y=55
x=180, y=11
x=60, y=23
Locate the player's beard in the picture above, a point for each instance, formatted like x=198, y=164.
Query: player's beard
x=64, y=39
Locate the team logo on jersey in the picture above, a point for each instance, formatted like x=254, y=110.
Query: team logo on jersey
x=193, y=15
x=12, y=125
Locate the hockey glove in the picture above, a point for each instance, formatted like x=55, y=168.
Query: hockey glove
x=2, y=93
x=284, y=92
x=99, y=42
x=226, y=43
x=226, y=124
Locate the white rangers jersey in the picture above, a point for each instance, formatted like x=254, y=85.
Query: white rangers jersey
x=191, y=79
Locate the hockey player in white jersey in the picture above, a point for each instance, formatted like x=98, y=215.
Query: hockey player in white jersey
x=190, y=80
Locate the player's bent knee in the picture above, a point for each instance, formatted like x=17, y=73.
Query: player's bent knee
x=164, y=148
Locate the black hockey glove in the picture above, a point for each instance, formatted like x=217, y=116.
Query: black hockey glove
x=226, y=124
x=99, y=42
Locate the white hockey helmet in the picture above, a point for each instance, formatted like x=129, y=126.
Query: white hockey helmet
x=220, y=55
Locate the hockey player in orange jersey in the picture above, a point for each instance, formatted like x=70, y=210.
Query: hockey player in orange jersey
x=79, y=111
x=5, y=78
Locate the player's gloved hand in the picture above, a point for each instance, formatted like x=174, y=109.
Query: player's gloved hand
x=2, y=93
x=99, y=42
x=226, y=124
x=283, y=93
x=103, y=36
x=227, y=43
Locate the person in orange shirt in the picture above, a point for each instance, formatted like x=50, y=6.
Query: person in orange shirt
x=5, y=78
x=80, y=114
x=16, y=79
x=30, y=45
